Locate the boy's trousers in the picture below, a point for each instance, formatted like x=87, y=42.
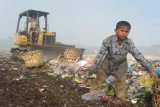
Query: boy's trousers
x=116, y=70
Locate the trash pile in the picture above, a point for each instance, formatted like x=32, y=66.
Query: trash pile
x=67, y=65
x=139, y=82
x=140, y=85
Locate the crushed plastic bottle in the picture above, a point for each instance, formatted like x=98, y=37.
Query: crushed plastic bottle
x=94, y=95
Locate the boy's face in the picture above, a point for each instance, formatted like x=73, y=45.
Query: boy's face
x=122, y=32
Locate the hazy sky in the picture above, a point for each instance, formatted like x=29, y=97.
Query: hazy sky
x=88, y=22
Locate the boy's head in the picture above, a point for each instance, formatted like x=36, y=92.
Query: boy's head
x=123, y=23
x=122, y=30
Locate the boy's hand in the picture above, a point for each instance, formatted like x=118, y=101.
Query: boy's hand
x=90, y=70
x=153, y=74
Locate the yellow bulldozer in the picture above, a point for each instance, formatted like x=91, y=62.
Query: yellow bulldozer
x=32, y=34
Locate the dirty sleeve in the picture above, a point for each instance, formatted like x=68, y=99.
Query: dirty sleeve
x=101, y=53
x=139, y=57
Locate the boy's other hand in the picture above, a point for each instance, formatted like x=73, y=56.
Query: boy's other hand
x=153, y=74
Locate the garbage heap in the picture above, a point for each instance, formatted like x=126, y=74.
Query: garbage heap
x=139, y=82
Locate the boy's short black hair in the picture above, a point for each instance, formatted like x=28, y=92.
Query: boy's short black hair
x=123, y=23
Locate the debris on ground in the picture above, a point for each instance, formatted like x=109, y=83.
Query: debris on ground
x=61, y=84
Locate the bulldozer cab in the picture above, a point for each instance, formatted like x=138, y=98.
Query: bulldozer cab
x=33, y=17
x=32, y=29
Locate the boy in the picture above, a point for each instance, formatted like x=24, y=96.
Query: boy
x=115, y=63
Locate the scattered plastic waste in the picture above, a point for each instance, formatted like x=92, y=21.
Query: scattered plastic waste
x=82, y=63
x=146, y=81
x=15, y=69
x=158, y=72
x=20, y=77
x=94, y=95
x=87, y=84
x=40, y=90
x=106, y=98
x=134, y=101
x=110, y=80
x=51, y=74
x=45, y=86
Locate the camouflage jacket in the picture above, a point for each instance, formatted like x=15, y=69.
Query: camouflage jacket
x=118, y=53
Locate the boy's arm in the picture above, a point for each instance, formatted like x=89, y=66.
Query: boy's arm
x=99, y=56
x=139, y=57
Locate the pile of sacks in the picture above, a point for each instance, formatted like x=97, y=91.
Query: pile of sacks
x=156, y=93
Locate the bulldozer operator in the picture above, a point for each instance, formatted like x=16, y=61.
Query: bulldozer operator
x=34, y=28
x=33, y=23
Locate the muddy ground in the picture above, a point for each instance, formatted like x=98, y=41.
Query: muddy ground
x=21, y=87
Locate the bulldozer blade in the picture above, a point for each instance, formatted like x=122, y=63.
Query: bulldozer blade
x=52, y=52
